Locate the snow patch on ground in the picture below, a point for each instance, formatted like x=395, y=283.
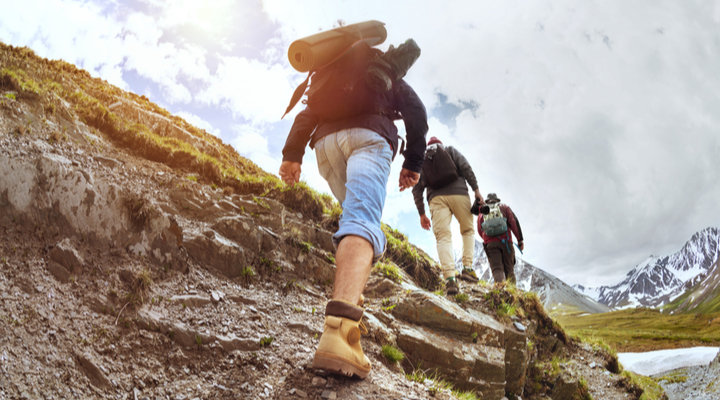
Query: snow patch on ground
x=655, y=362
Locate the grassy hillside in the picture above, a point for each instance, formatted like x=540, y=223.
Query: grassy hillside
x=702, y=298
x=59, y=90
x=645, y=329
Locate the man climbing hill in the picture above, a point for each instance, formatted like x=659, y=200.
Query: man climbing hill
x=444, y=174
x=494, y=226
x=349, y=123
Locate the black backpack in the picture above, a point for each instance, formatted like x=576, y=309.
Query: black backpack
x=356, y=82
x=439, y=169
x=339, y=90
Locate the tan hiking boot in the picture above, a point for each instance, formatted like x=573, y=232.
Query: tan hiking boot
x=339, y=350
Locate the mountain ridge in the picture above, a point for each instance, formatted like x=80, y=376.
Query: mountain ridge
x=657, y=281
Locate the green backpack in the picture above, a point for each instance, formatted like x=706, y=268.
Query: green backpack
x=494, y=224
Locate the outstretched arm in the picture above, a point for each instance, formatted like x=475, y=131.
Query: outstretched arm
x=294, y=150
x=414, y=116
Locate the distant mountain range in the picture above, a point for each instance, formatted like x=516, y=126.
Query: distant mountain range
x=552, y=291
x=659, y=280
x=703, y=297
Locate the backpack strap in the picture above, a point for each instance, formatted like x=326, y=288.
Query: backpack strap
x=298, y=94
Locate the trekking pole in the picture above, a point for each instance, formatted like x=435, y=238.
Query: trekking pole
x=516, y=245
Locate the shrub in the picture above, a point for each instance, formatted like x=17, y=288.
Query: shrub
x=247, y=274
x=461, y=297
x=392, y=354
x=389, y=271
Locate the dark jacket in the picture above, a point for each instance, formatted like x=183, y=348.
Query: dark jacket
x=465, y=173
x=513, y=226
x=402, y=98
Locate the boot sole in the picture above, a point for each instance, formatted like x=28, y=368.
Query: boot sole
x=329, y=363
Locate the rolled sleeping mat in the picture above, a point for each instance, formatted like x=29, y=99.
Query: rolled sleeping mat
x=315, y=51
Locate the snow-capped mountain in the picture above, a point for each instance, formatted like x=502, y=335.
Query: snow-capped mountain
x=702, y=297
x=659, y=280
x=551, y=290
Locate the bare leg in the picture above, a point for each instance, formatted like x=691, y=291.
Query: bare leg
x=354, y=261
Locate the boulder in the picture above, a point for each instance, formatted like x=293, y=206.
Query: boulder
x=94, y=374
x=217, y=252
x=381, y=287
x=313, y=234
x=438, y=313
x=231, y=342
x=516, y=359
x=64, y=253
x=242, y=230
x=468, y=366
x=58, y=271
x=565, y=387
x=191, y=300
x=378, y=330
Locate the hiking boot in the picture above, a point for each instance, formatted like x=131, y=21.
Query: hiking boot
x=469, y=276
x=339, y=350
x=451, y=288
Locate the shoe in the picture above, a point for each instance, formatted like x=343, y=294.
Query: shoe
x=469, y=276
x=451, y=288
x=361, y=300
x=339, y=350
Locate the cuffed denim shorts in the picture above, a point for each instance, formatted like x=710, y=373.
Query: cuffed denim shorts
x=356, y=164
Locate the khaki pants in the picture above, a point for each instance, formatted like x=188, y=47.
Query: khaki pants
x=442, y=208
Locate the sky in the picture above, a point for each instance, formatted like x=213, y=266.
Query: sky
x=597, y=122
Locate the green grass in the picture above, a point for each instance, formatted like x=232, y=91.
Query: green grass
x=247, y=274
x=10, y=96
x=645, y=329
x=650, y=389
x=462, y=297
x=392, y=354
x=505, y=310
x=389, y=271
x=697, y=300
x=583, y=390
x=673, y=377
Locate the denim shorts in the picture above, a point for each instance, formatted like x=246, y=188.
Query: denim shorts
x=356, y=164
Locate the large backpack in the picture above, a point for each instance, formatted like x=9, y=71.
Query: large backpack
x=339, y=91
x=438, y=168
x=494, y=224
x=355, y=82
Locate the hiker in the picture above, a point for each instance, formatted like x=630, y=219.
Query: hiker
x=493, y=227
x=444, y=175
x=354, y=154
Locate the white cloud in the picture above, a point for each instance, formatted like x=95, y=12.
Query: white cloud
x=251, y=143
x=250, y=89
x=596, y=122
x=198, y=122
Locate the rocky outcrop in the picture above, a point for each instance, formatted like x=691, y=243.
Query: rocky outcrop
x=464, y=345
x=59, y=199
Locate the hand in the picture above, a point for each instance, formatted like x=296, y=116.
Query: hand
x=290, y=172
x=521, y=245
x=425, y=222
x=408, y=179
x=479, y=197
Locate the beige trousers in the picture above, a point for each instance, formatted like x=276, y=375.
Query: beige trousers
x=442, y=208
